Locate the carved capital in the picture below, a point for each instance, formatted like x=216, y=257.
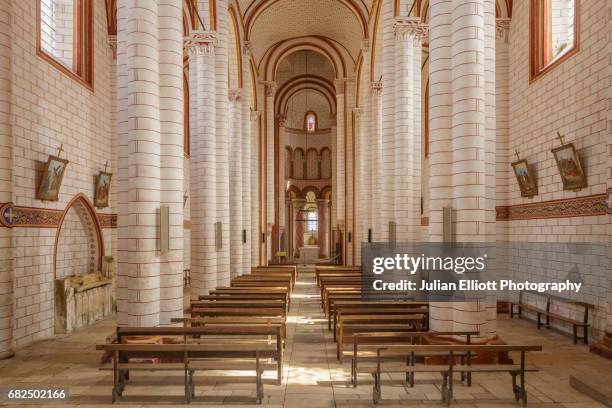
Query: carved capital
x=270, y=87
x=365, y=45
x=502, y=29
x=200, y=43
x=234, y=95
x=410, y=28
x=376, y=88
x=247, y=48
x=339, y=85
x=112, y=44
x=282, y=119
x=357, y=112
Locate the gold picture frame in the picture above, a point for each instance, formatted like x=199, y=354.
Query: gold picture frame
x=51, y=180
x=102, y=190
x=525, y=178
x=570, y=168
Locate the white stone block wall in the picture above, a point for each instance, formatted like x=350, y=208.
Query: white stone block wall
x=6, y=183
x=48, y=109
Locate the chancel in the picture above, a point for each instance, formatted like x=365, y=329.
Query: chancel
x=192, y=191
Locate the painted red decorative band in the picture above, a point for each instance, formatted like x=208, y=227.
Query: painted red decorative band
x=30, y=217
x=597, y=204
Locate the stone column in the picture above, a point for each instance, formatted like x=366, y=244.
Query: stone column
x=270, y=91
x=7, y=272
x=409, y=35
x=150, y=50
x=255, y=117
x=376, y=160
x=363, y=174
x=462, y=134
x=339, y=191
x=235, y=173
x=248, y=158
x=203, y=170
x=323, y=207
x=222, y=140
x=298, y=205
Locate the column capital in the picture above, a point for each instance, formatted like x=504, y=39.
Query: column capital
x=502, y=28
x=357, y=112
x=410, y=28
x=200, y=43
x=234, y=95
x=112, y=44
x=365, y=45
x=323, y=201
x=255, y=114
x=247, y=48
x=270, y=87
x=282, y=119
x=376, y=88
x=339, y=85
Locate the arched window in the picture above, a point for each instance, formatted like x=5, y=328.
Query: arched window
x=65, y=37
x=310, y=122
x=312, y=224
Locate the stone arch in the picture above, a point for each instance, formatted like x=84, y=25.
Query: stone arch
x=79, y=247
x=315, y=190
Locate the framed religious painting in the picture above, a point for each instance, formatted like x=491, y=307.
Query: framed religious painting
x=569, y=166
x=525, y=178
x=51, y=180
x=102, y=191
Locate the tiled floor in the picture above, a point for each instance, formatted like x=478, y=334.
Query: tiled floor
x=313, y=378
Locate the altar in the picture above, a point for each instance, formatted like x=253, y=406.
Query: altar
x=309, y=254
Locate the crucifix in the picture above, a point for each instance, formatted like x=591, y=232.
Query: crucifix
x=560, y=138
x=60, y=150
x=105, y=166
x=517, y=154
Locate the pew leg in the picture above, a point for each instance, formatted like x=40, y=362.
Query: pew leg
x=191, y=384
x=376, y=392
x=575, y=334
x=353, y=373
x=515, y=388
x=444, y=385
x=539, y=320
x=586, y=334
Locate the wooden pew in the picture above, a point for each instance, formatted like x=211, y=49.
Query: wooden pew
x=255, y=291
x=411, y=319
x=261, y=281
x=327, y=289
x=227, y=332
x=238, y=312
x=447, y=370
x=400, y=337
x=251, y=303
x=274, y=273
x=191, y=357
x=551, y=300
x=336, y=270
x=276, y=268
x=374, y=307
x=247, y=320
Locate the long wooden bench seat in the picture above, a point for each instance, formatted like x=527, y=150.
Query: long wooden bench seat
x=284, y=278
x=550, y=302
x=235, y=320
x=349, y=330
x=447, y=370
x=254, y=283
x=274, y=273
x=373, y=307
x=330, y=288
x=250, y=303
x=344, y=305
x=364, y=339
x=255, y=291
x=230, y=311
x=276, y=268
x=186, y=357
x=227, y=331
x=336, y=274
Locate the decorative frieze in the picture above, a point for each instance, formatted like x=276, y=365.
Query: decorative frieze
x=573, y=207
x=410, y=28
x=13, y=216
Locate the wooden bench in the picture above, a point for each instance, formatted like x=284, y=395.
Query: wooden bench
x=254, y=283
x=329, y=288
x=248, y=320
x=255, y=291
x=342, y=304
x=546, y=312
x=447, y=370
x=399, y=337
x=283, y=274
x=187, y=357
x=336, y=271
x=251, y=303
x=374, y=307
x=276, y=268
x=225, y=331
x=411, y=319
x=230, y=311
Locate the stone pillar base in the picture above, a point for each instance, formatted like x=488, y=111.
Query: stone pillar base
x=604, y=347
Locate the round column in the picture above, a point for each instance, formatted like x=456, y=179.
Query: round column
x=323, y=207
